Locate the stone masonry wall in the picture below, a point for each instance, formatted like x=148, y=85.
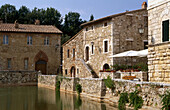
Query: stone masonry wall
x=48, y=81
x=159, y=63
x=96, y=89
x=18, y=50
x=159, y=51
x=7, y=77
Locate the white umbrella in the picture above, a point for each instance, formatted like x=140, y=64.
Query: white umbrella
x=143, y=53
x=130, y=53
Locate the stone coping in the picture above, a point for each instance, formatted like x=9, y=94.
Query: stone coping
x=159, y=44
x=119, y=80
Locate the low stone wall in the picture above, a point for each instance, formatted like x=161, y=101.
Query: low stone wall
x=18, y=77
x=48, y=81
x=113, y=75
x=96, y=89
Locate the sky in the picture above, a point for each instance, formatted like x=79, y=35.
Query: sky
x=99, y=8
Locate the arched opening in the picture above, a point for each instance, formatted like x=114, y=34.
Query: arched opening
x=73, y=71
x=41, y=60
x=105, y=66
x=87, y=53
x=41, y=66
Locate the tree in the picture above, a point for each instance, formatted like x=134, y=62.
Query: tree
x=91, y=18
x=8, y=13
x=23, y=15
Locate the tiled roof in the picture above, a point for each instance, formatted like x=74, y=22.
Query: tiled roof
x=109, y=17
x=29, y=28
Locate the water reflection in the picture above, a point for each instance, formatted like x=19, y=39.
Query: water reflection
x=33, y=98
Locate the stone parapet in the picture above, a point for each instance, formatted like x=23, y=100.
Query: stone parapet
x=17, y=77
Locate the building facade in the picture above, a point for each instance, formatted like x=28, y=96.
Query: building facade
x=159, y=43
x=102, y=38
x=26, y=47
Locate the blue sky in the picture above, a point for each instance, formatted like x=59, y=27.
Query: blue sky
x=99, y=8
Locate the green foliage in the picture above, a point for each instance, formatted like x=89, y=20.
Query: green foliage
x=135, y=100
x=109, y=83
x=122, y=101
x=78, y=102
x=91, y=18
x=142, y=67
x=78, y=89
x=58, y=86
x=116, y=67
x=166, y=101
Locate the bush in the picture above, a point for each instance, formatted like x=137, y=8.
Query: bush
x=78, y=89
x=166, y=101
x=135, y=100
x=58, y=86
x=122, y=101
x=109, y=83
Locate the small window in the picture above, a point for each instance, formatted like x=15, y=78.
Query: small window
x=165, y=31
x=77, y=71
x=105, y=24
x=26, y=63
x=73, y=53
x=29, y=40
x=65, y=71
x=46, y=41
x=5, y=39
x=92, y=47
x=68, y=53
x=105, y=46
x=145, y=45
x=92, y=27
x=9, y=63
x=87, y=29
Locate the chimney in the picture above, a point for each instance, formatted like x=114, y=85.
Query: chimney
x=16, y=24
x=37, y=22
x=144, y=5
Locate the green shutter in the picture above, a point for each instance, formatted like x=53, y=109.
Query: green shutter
x=165, y=29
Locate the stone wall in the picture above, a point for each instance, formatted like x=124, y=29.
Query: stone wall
x=18, y=50
x=96, y=90
x=9, y=77
x=159, y=63
x=158, y=51
x=48, y=81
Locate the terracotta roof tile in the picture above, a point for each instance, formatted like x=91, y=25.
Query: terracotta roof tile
x=6, y=27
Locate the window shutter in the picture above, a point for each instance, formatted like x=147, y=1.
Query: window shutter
x=165, y=29
x=6, y=39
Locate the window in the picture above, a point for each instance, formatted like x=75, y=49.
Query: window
x=9, y=63
x=5, y=39
x=73, y=53
x=92, y=27
x=145, y=45
x=29, y=40
x=87, y=29
x=46, y=41
x=92, y=47
x=105, y=24
x=77, y=71
x=105, y=46
x=65, y=71
x=26, y=63
x=68, y=52
x=165, y=31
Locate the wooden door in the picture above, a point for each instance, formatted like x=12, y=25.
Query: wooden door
x=42, y=66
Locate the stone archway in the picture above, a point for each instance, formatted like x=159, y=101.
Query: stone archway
x=105, y=66
x=73, y=71
x=41, y=60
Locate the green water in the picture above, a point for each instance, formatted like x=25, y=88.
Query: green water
x=34, y=98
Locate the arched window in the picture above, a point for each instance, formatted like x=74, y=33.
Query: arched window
x=87, y=53
x=105, y=66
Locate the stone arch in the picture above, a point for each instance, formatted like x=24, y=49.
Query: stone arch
x=73, y=71
x=106, y=66
x=41, y=60
x=41, y=56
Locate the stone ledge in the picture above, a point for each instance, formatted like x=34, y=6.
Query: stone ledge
x=159, y=44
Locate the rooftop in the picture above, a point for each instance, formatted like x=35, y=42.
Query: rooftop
x=29, y=28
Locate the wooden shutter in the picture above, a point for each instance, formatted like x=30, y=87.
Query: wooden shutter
x=165, y=31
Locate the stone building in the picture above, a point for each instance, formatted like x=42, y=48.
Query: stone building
x=159, y=43
x=25, y=47
x=88, y=52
